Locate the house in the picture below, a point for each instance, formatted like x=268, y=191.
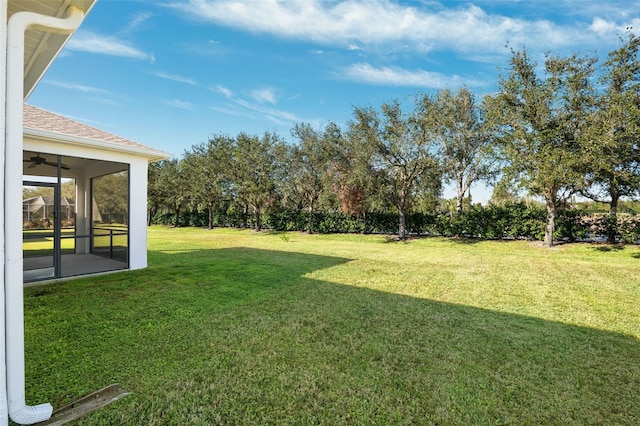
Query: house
x=109, y=174
x=54, y=152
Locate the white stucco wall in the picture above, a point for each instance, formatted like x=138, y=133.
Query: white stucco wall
x=138, y=215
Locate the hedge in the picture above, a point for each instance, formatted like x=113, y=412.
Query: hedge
x=513, y=221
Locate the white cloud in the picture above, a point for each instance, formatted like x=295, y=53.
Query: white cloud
x=278, y=116
x=465, y=28
x=265, y=95
x=607, y=27
x=599, y=25
x=137, y=20
x=233, y=111
x=227, y=93
x=176, y=103
x=207, y=48
x=395, y=76
x=173, y=77
x=78, y=87
x=256, y=105
x=107, y=45
x=102, y=96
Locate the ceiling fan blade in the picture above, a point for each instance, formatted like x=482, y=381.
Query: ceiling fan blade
x=32, y=165
x=62, y=166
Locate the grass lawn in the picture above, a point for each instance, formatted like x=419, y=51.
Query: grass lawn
x=233, y=327
x=39, y=242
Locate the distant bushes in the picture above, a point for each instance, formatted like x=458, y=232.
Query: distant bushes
x=513, y=221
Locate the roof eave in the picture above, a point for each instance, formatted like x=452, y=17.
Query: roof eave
x=152, y=155
x=49, y=47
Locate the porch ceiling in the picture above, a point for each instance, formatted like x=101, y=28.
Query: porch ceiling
x=77, y=167
x=42, y=47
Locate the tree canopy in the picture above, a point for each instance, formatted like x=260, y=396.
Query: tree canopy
x=569, y=126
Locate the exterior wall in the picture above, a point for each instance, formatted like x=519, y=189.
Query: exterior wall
x=138, y=214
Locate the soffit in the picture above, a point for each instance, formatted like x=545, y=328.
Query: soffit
x=42, y=47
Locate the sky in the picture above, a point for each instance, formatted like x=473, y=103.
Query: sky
x=171, y=74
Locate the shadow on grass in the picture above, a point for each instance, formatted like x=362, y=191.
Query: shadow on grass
x=241, y=336
x=467, y=241
x=609, y=248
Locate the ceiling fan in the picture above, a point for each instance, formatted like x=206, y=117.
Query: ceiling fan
x=37, y=160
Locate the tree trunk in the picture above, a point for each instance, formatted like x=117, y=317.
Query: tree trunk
x=402, y=225
x=210, y=209
x=310, y=225
x=245, y=214
x=176, y=222
x=551, y=223
x=150, y=213
x=460, y=197
x=612, y=220
x=258, y=224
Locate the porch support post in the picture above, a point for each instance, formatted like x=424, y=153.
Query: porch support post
x=137, y=214
x=83, y=214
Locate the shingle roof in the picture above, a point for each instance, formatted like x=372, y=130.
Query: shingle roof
x=39, y=119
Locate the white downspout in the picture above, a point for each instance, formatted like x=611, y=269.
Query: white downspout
x=13, y=281
x=4, y=418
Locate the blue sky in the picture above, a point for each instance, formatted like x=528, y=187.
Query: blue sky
x=170, y=74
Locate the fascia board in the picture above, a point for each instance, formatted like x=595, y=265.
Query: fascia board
x=150, y=154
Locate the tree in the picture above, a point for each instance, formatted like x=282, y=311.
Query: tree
x=504, y=193
x=253, y=168
x=349, y=171
x=309, y=165
x=403, y=154
x=111, y=195
x=540, y=122
x=155, y=197
x=612, y=150
x=168, y=187
x=457, y=123
x=206, y=166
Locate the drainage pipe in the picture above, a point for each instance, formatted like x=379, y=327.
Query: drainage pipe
x=4, y=419
x=13, y=280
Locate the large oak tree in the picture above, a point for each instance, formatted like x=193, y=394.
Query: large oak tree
x=404, y=153
x=253, y=169
x=540, y=121
x=458, y=125
x=612, y=148
x=209, y=178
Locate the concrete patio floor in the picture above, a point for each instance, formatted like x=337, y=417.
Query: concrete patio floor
x=40, y=268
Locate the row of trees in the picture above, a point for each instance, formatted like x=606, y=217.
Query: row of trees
x=569, y=127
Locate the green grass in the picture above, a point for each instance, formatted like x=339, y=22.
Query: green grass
x=39, y=242
x=233, y=327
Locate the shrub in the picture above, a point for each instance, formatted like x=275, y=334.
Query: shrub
x=515, y=220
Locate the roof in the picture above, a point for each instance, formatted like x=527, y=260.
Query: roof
x=41, y=47
x=42, y=123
